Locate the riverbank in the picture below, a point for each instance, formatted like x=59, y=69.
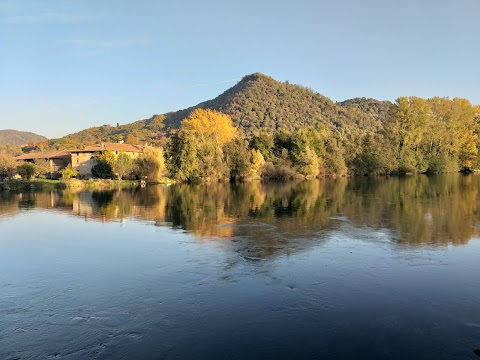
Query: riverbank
x=51, y=185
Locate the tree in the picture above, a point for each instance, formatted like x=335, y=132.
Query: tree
x=196, y=152
x=42, y=167
x=123, y=165
x=156, y=123
x=26, y=170
x=181, y=157
x=405, y=129
x=209, y=126
x=237, y=158
x=305, y=160
x=8, y=167
x=256, y=163
x=103, y=168
x=150, y=165
x=373, y=158
x=132, y=139
x=263, y=142
x=68, y=172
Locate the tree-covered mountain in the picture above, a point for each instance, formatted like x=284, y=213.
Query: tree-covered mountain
x=257, y=102
x=15, y=137
x=280, y=130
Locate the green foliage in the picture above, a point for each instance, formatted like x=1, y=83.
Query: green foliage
x=299, y=131
x=432, y=135
x=256, y=104
x=196, y=152
x=123, y=165
x=68, y=172
x=237, y=158
x=26, y=170
x=105, y=162
x=263, y=142
x=371, y=158
x=181, y=156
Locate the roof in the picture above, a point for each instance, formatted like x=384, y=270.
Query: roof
x=92, y=148
x=43, y=155
x=110, y=147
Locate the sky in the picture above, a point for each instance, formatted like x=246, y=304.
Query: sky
x=66, y=65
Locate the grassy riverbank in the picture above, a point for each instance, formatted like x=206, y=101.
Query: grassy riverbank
x=51, y=185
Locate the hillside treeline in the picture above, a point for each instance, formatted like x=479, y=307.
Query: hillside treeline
x=257, y=102
x=270, y=129
x=418, y=136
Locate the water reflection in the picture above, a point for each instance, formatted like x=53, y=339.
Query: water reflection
x=316, y=269
x=275, y=217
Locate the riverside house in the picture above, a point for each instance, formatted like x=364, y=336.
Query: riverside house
x=57, y=160
x=82, y=159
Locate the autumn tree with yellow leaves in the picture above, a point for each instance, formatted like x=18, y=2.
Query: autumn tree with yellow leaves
x=197, y=151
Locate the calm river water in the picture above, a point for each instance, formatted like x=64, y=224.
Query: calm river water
x=385, y=268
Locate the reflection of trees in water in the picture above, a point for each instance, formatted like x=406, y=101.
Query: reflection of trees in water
x=203, y=209
x=27, y=200
x=8, y=203
x=420, y=209
x=266, y=219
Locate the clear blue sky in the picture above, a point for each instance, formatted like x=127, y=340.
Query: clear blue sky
x=66, y=65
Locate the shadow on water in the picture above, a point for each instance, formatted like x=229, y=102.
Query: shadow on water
x=276, y=218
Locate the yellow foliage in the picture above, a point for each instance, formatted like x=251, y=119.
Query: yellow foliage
x=209, y=126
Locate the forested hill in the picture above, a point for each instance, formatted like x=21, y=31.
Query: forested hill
x=260, y=102
x=257, y=102
x=15, y=137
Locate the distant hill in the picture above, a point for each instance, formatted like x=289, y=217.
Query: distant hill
x=15, y=137
x=257, y=102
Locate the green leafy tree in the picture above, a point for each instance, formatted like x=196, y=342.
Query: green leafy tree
x=181, y=155
x=196, y=152
x=237, y=158
x=26, y=170
x=373, y=157
x=305, y=160
x=405, y=129
x=68, y=172
x=263, y=142
x=123, y=165
x=103, y=169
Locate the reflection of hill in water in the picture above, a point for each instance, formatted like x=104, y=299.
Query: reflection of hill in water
x=267, y=219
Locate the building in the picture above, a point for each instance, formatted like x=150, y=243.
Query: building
x=82, y=159
x=57, y=160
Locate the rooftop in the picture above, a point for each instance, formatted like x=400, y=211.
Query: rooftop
x=43, y=155
x=110, y=147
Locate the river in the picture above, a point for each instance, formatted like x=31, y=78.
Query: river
x=362, y=268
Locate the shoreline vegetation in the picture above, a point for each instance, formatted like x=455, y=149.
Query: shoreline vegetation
x=72, y=184
x=264, y=129
x=47, y=185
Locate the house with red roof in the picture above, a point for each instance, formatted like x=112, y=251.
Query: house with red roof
x=82, y=159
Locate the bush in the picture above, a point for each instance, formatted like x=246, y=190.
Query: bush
x=26, y=170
